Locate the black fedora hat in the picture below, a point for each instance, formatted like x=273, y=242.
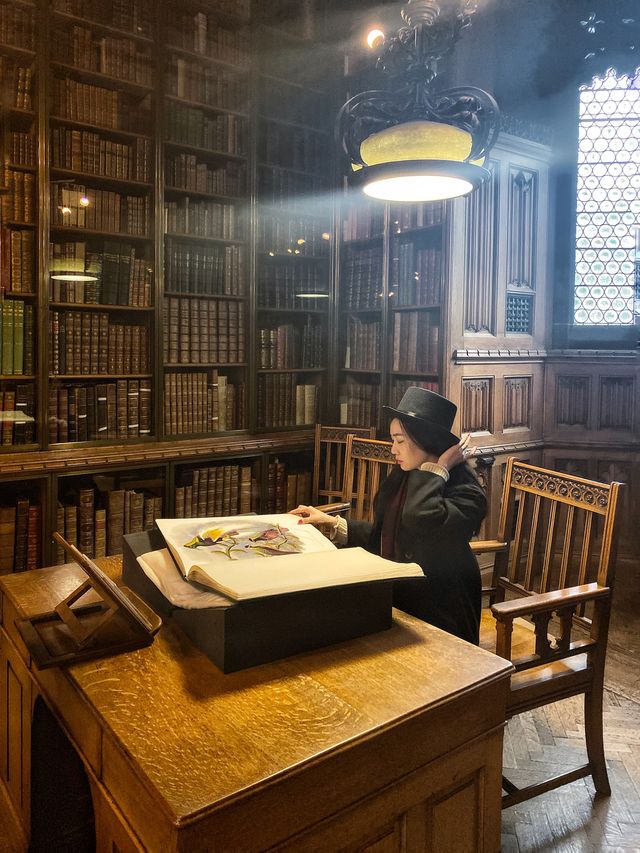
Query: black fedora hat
x=429, y=417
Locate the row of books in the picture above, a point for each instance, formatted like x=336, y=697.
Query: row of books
x=399, y=386
x=187, y=172
x=203, y=34
x=210, y=270
x=215, y=491
x=283, y=401
x=290, y=105
x=416, y=275
x=279, y=187
x=292, y=235
x=415, y=342
x=107, y=108
x=19, y=536
x=362, y=222
x=17, y=84
x=17, y=414
x=285, y=489
x=91, y=153
x=105, y=410
x=18, y=254
x=292, y=147
x=198, y=218
x=23, y=148
x=206, y=84
x=95, y=521
x=203, y=331
x=202, y=402
x=361, y=279
x=100, y=210
x=405, y=217
x=289, y=346
x=17, y=25
x=19, y=204
x=16, y=338
x=116, y=57
x=90, y=343
x=280, y=283
x=191, y=126
x=120, y=278
x=132, y=16
x=359, y=402
x=364, y=345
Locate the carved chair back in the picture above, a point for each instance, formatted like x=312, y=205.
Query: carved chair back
x=329, y=460
x=368, y=462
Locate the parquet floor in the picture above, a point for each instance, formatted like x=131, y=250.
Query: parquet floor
x=573, y=818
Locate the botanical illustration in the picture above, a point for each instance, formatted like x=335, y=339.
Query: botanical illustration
x=257, y=541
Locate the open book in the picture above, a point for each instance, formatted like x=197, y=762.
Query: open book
x=233, y=555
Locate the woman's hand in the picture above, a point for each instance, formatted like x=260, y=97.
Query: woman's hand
x=312, y=515
x=457, y=454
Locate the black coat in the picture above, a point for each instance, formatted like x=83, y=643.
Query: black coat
x=438, y=520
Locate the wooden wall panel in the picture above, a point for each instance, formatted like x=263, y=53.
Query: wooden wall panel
x=482, y=219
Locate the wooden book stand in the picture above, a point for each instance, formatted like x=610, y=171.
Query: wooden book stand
x=113, y=619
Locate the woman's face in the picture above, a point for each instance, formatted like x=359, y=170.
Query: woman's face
x=408, y=454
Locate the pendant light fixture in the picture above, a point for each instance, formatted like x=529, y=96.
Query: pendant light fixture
x=410, y=141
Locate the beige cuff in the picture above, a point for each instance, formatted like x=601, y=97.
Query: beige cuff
x=339, y=532
x=434, y=468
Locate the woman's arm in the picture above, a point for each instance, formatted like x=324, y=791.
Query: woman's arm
x=432, y=504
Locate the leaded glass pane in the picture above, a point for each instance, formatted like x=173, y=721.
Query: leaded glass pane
x=608, y=200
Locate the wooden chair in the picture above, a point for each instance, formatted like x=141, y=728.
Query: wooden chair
x=557, y=570
x=367, y=463
x=329, y=460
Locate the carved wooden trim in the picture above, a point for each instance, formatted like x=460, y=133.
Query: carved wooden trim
x=521, y=234
x=476, y=404
x=379, y=451
x=517, y=402
x=591, y=495
x=521, y=354
x=572, y=400
x=616, y=402
x=481, y=241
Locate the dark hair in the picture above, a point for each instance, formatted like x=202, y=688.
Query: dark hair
x=421, y=435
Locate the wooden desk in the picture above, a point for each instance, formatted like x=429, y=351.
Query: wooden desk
x=392, y=741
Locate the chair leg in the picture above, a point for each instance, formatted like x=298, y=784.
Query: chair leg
x=594, y=740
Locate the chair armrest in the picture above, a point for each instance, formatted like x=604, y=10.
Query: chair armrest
x=542, y=601
x=485, y=546
x=338, y=508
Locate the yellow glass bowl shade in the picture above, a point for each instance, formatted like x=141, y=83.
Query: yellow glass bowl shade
x=416, y=140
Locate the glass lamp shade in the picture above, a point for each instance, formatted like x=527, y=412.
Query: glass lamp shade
x=418, y=161
x=69, y=275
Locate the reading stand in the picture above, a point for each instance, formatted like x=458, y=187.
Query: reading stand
x=111, y=620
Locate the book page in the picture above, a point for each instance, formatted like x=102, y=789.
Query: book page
x=211, y=542
x=257, y=578
x=160, y=567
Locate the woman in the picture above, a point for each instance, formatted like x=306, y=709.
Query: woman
x=426, y=512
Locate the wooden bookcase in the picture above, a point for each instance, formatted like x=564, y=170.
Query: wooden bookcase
x=180, y=161
x=391, y=294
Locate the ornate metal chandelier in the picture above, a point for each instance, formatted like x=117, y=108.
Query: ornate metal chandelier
x=410, y=142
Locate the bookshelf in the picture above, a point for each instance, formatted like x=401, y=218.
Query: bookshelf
x=165, y=257
x=390, y=304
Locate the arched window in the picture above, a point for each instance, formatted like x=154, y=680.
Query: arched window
x=608, y=200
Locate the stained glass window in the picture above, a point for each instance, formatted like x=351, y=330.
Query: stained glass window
x=608, y=204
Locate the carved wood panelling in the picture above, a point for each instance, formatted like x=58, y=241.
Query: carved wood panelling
x=572, y=400
x=573, y=467
x=521, y=240
x=517, y=402
x=476, y=405
x=617, y=469
x=616, y=402
x=481, y=241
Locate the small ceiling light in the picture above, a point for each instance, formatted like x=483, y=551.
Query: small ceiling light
x=64, y=210
x=84, y=201
x=326, y=235
x=409, y=142
x=374, y=38
x=301, y=241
